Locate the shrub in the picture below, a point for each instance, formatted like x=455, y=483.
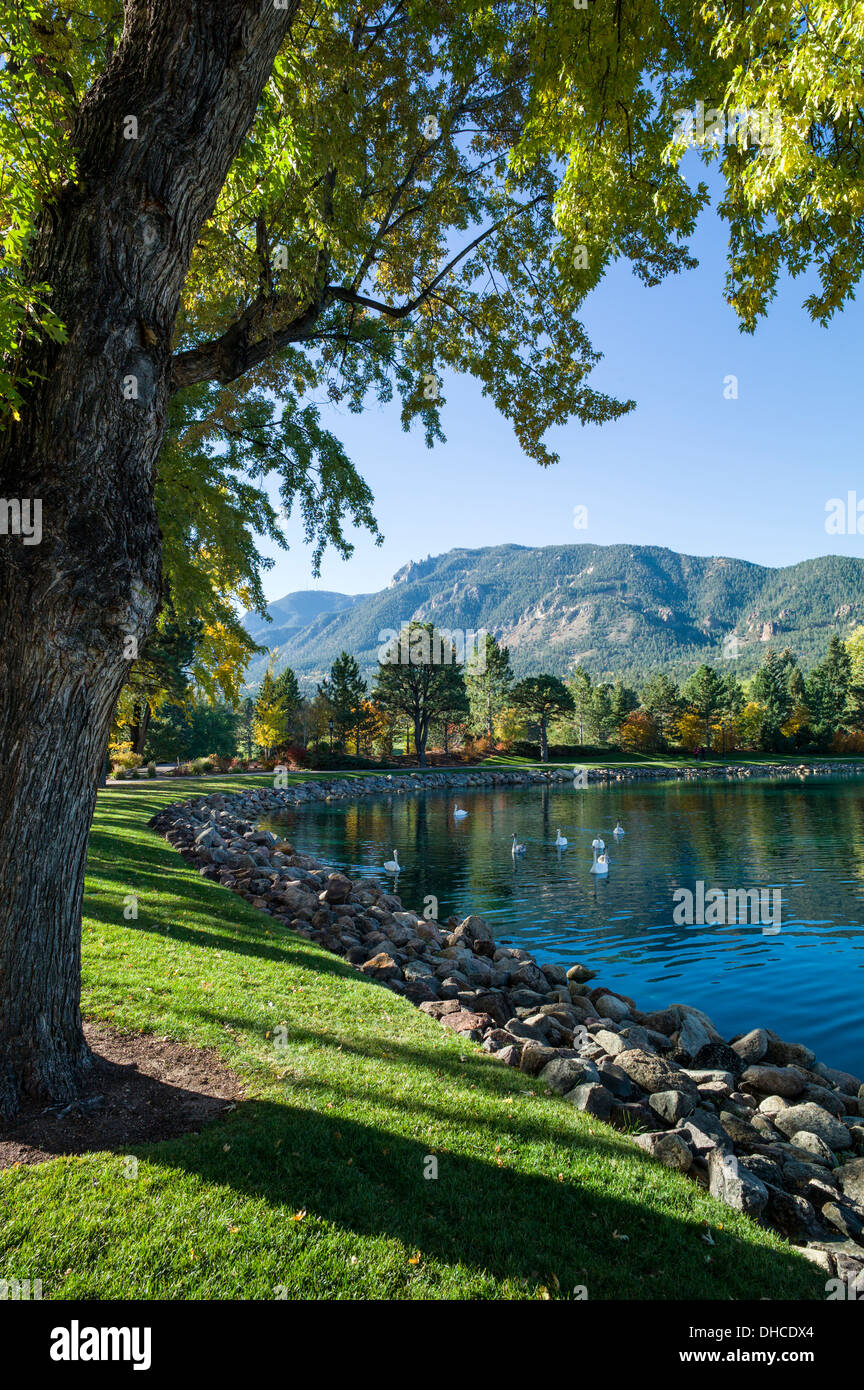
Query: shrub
x=122, y=757
x=151, y=769
x=294, y=755
x=848, y=742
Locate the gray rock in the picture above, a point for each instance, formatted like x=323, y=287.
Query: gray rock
x=793, y=1216
x=472, y=929
x=851, y=1180
x=804, y=1139
x=843, y=1080
x=616, y=1080
x=693, y=1037
x=562, y=1074
x=701, y=1076
x=668, y=1148
x=718, y=1056
x=578, y=974
x=529, y=975
x=654, y=1073
x=773, y=1081
x=814, y=1120
x=771, y=1104
x=788, y=1054
x=609, y=1006
x=753, y=1046
x=739, y=1131
x=671, y=1106
x=610, y=1042
x=735, y=1185
x=593, y=1098
x=519, y=1029
x=535, y=1056
x=704, y=1132
x=846, y=1218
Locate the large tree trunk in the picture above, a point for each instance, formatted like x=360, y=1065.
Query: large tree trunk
x=115, y=247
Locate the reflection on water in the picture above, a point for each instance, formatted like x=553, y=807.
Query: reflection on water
x=806, y=839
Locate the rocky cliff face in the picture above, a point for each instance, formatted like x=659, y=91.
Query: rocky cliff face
x=617, y=610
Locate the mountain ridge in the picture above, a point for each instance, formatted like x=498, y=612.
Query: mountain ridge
x=619, y=610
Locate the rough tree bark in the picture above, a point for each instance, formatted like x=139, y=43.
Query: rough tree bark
x=115, y=247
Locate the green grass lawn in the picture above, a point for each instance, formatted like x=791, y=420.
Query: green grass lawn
x=314, y=1186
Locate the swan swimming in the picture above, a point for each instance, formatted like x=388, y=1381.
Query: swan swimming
x=601, y=864
x=597, y=845
x=619, y=829
x=393, y=866
x=560, y=841
x=517, y=848
x=458, y=813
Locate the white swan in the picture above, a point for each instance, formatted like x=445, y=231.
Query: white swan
x=517, y=848
x=393, y=866
x=597, y=845
x=458, y=813
x=560, y=841
x=601, y=864
x=619, y=829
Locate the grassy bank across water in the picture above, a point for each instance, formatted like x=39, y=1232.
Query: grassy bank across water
x=318, y=1185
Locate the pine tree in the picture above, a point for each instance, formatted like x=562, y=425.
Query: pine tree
x=542, y=698
x=345, y=690
x=425, y=685
x=488, y=678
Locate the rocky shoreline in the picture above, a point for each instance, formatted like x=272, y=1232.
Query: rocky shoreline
x=756, y=1120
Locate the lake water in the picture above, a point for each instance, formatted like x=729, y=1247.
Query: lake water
x=806, y=839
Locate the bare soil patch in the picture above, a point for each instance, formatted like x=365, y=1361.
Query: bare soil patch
x=141, y=1089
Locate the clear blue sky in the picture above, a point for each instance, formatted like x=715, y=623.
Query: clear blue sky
x=687, y=469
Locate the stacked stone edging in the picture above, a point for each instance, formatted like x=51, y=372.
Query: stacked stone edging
x=758, y=1121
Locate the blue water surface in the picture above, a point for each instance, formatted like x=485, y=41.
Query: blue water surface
x=805, y=838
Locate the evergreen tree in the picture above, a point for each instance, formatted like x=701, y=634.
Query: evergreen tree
x=345, y=690
x=581, y=692
x=542, y=698
x=423, y=687
x=601, y=715
x=704, y=692
x=488, y=681
x=661, y=698
x=770, y=685
x=828, y=690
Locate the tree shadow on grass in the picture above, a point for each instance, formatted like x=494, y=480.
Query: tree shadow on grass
x=529, y=1227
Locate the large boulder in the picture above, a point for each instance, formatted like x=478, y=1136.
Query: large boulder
x=470, y=930
x=772, y=1081
x=786, y=1054
x=738, y=1187
x=668, y=1148
x=793, y=1216
x=811, y=1143
x=814, y=1120
x=337, y=889
x=753, y=1046
x=671, y=1106
x=593, y=1098
x=381, y=967
x=467, y=1022
x=562, y=1074
x=610, y=1006
x=653, y=1073
x=851, y=1180
x=535, y=1056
